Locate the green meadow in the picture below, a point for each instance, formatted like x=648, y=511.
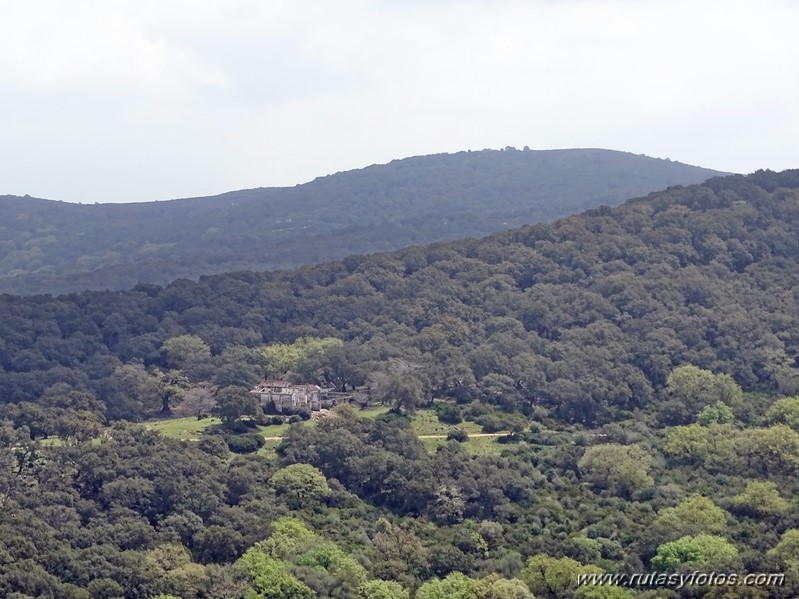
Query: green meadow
x=424, y=423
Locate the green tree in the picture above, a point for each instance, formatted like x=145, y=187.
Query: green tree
x=78, y=427
x=340, y=573
x=687, y=443
x=760, y=498
x=718, y=413
x=495, y=587
x=63, y=396
x=151, y=390
x=399, y=385
x=320, y=564
x=697, y=388
x=134, y=386
x=551, y=578
x=403, y=556
x=622, y=469
x=172, y=386
x=301, y=485
x=237, y=366
x=182, y=350
x=677, y=553
x=106, y=588
x=234, y=402
x=708, y=551
x=454, y=586
x=218, y=544
x=784, y=411
x=269, y=578
x=401, y=390
x=279, y=359
x=724, y=443
x=290, y=537
x=19, y=455
x=692, y=516
x=771, y=450
x=404, y=391
x=383, y=589
x=785, y=553
x=336, y=364
x=172, y=564
x=449, y=505
x=603, y=592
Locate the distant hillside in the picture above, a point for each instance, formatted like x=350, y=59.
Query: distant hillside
x=638, y=354
x=585, y=317
x=54, y=247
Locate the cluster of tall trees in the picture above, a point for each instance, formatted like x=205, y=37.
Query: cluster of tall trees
x=356, y=507
x=57, y=247
x=644, y=358
x=585, y=318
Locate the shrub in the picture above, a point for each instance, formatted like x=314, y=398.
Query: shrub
x=246, y=443
x=475, y=410
x=498, y=422
x=213, y=445
x=491, y=423
x=237, y=427
x=448, y=413
x=505, y=439
x=457, y=434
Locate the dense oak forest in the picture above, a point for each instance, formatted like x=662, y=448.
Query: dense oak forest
x=585, y=317
x=55, y=247
x=643, y=360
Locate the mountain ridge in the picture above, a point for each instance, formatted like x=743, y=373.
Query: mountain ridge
x=364, y=169
x=638, y=356
x=53, y=246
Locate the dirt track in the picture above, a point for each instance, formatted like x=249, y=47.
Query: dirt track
x=423, y=436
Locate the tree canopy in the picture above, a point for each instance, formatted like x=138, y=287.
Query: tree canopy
x=635, y=368
x=58, y=247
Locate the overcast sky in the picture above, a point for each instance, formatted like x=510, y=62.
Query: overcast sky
x=131, y=100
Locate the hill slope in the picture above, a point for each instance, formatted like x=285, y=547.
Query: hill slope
x=55, y=247
x=585, y=317
x=580, y=320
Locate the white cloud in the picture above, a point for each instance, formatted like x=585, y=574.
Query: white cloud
x=50, y=47
x=122, y=100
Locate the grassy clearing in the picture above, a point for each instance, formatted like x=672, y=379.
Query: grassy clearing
x=268, y=450
x=484, y=446
x=424, y=423
x=373, y=411
x=475, y=445
x=274, y=430
x=182, y=428
x=432, y=444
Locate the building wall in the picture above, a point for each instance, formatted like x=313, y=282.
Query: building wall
x=290, y=398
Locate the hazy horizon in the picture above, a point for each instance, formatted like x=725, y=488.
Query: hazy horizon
x=141, y=101
x=332, y=174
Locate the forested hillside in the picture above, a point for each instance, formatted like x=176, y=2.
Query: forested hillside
x=642, y=360
x=54, y=247
x=586, y=316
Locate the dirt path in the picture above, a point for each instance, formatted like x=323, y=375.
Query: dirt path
x=422, y=436
x=471, y=435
